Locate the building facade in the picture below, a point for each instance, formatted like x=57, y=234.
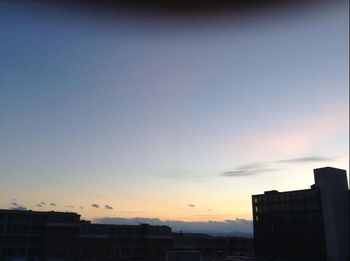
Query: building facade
x=60, y=236
x=30, y=235
x=309, y=224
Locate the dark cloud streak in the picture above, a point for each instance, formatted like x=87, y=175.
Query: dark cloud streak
x=255, y=168
x=16, y=206
x=306, y=159
x=246, y=172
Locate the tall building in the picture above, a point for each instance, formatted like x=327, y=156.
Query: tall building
x=309, y=224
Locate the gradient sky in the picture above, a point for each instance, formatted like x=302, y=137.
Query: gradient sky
x=173, y=118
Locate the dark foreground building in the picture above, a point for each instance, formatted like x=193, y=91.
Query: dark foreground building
x=36, y=235
x=207, y=247
x=62, y=236
x=310, y=224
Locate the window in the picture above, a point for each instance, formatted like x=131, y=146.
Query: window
x=2, y=216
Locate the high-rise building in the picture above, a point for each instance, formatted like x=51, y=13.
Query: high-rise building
x=310, y=224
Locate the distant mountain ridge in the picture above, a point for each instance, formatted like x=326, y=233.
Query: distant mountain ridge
x=236, y=227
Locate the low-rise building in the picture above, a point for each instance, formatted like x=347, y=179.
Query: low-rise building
x=62, y=236
x=213, y=247
x=34, y=235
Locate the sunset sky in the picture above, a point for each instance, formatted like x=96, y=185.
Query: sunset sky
x=180, y=118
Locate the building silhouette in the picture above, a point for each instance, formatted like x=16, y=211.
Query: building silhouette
x=34, y=235
x=310, y=224
x=62, y=236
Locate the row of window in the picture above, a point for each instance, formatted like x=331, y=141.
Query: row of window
x=20, y=240
x=27, y=217
x=22, y=218
x=22, y=252
x=294, y=206
x=111, y=230
x=292, y=250
x=22, y=229
x=287, y=196
x=305, y=215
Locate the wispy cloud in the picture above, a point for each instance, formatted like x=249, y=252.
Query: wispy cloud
x=95, y=205
x=252, y=165
x=53, y=204
x=17, y=206
x=255, y=168
x=237, y=173
x=108, y=207
x=249, y=169
x=307, y=159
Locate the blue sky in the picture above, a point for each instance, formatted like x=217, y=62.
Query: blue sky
x=145, y=113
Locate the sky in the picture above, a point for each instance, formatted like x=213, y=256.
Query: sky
x=128, y=114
